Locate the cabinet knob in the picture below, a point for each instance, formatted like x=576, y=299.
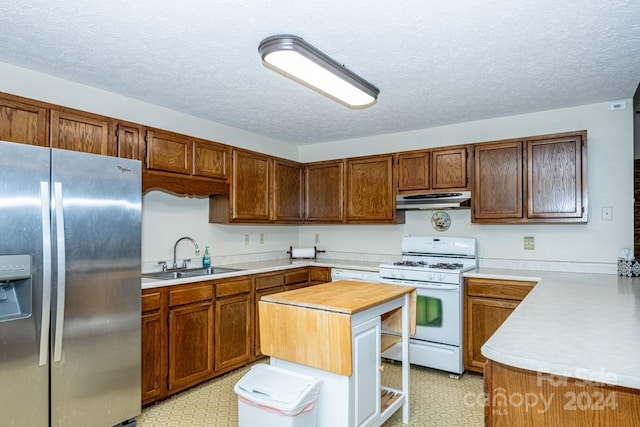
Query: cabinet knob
x=381, y=368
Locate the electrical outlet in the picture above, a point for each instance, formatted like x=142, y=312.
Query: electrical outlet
x=246, y=239
x=262, y=238
x=317, y=240
x=607, y=213
x=529, y=244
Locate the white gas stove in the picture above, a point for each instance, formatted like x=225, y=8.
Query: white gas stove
x=434, y=265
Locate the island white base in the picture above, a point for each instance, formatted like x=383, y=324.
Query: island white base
x=337, y=405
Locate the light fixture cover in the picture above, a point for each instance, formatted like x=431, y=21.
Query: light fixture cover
x=293, y=57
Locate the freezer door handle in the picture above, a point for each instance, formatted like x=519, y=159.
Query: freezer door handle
x=45, y=200
x=57, y=340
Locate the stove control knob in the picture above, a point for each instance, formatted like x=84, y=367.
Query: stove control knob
x=430, y=277
x=441, y=277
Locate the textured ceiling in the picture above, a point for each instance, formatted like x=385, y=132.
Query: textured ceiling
x=435, y=62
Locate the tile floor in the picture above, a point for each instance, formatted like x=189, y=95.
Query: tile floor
x=436, y=401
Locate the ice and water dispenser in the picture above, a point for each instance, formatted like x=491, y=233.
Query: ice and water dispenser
x=15, y=287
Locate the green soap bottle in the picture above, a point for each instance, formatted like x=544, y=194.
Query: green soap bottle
x=206, y=259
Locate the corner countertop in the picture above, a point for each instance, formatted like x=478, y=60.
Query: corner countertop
x=585, y=326
x=257, y=267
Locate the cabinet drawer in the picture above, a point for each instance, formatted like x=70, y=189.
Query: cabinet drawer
x=296, y=276
x=319, y=275
x=233, y=287
x=503, y=289
x=269, y=281
x=151, y=301
x=190, y=294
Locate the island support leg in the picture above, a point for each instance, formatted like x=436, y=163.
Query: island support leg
x=405, y=358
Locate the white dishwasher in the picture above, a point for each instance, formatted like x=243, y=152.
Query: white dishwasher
x=356, y=275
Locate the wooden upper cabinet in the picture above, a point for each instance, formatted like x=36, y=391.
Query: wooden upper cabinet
x=369, y=188
x=288, y=191
x=449, y=168
x=130, y=139
x=531, y=180
x=80, y=131
x=498, y=181
x=446, y=168
x=169, y=152
x=23, y=121
x=556, y=178
x=324, y=191
x=413, y=171
x=211, y=159
x=250, y=187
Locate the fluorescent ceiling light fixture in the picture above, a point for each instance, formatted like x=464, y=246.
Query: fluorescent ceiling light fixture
x=294, y=58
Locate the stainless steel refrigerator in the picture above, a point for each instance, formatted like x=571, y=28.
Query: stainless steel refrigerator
x=70, y=231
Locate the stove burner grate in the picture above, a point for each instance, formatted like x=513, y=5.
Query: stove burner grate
x=441, y=265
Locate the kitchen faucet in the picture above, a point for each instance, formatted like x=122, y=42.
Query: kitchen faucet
x=184, y=263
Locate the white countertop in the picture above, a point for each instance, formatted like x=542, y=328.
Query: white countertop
x=585, y=326
x=264, y=267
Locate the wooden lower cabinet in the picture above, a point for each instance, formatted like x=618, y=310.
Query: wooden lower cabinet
x=190, y=335
x=154, y=344
x=319, y=275
x=194, y=332
x=487, y=304
x=523, y=398
x=233, y=337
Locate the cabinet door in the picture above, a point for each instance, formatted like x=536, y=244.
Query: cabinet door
x=413, y=171
x=366, y=371
x=449, y=169
x=483, y=317
x=79, y=131
x=129, y=137
x=23, y=121
x=190, y=344
x=250, y=187
x=168, y=152
x=370, y=196
x=154, y=345
x=287, y=191
x=153, y=381
x=555, y=178
x=211, y=159
x=233, y=334
x=324, y=192
x=498, y=181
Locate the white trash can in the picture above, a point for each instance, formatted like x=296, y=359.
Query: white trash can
x=269, y=396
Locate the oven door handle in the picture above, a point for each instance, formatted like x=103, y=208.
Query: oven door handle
x=439, y=287
x=422, y=285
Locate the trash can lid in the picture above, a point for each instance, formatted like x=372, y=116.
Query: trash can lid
x=277, y=387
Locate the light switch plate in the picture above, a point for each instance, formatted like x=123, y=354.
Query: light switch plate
x=607, y=213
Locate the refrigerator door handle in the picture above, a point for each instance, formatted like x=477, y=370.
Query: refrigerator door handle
x=45, y=200
x=60, y=244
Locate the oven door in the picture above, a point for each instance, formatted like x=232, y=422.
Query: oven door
x=438, y=308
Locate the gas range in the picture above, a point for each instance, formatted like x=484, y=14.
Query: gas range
x=434, y=265
x=433, y=259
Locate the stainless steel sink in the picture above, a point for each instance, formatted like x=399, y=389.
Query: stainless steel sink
x=191, y=272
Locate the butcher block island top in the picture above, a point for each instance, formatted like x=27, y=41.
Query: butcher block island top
x=312, y=325
x=344, y=296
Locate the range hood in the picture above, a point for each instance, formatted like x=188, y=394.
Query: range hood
x=434, y=201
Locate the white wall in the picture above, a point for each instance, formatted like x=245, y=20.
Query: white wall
x=166, y=218
x=610, y=183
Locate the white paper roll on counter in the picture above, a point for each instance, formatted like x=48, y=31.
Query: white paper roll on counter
x=303, y=253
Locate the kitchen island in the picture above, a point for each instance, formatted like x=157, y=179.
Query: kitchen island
x=333, y=332
x=568, y=355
